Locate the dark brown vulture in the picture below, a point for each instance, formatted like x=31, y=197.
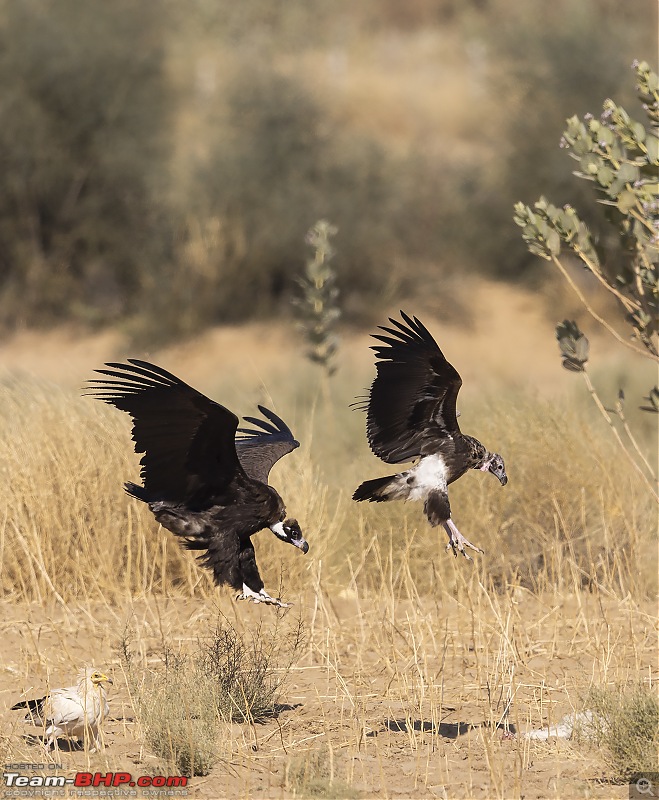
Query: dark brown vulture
x=200, y=481
x=411, y=416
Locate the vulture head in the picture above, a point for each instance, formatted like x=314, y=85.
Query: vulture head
x=495, y=465
x=289, y=531
x=98, y=678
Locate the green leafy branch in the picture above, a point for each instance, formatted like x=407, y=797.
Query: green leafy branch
x=620, y=155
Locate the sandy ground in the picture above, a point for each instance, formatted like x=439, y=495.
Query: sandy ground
x=385, y=721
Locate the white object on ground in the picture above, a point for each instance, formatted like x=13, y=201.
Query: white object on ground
x=586, y=723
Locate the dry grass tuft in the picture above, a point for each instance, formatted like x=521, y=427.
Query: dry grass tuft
x=627, y=726
x=312, y=776
x=249, y=670
x=186, y=700
x=179, y=717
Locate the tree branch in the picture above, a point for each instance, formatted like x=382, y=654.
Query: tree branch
x=597, y=317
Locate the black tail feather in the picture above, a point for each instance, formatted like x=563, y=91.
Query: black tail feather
x=375, y=490
x=33, y=706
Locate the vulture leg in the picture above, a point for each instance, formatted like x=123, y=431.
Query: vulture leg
x=438, y=510
x=249, y=571
x=50, y=737
x=457, y=541
x=94, y=735
x=253, y=588
x=261, y=597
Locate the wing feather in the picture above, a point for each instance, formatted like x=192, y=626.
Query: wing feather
x=186, y=438
x=67, y=707
x=260, y=447
x=412, y=401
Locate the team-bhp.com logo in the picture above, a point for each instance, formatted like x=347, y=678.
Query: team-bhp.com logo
x=94, y=779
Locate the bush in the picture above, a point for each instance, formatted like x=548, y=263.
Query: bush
x=619, y=155
x=184, y=704
x=627, y=728
x=548, y=63
x=311, y=775
x=84, y=106
x=278, y=164
x=248, y=673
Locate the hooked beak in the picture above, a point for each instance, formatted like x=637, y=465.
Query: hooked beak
x=289, y=531
x=496, y=467
x=500, y=472
x=303, y=544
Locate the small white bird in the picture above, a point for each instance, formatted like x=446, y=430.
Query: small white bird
x=75, y=711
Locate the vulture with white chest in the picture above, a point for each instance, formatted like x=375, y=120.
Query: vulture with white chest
x=411, y=416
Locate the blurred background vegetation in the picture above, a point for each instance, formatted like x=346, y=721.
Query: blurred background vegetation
x=163, y=161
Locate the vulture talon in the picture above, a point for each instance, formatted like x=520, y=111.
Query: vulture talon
x=457, y=542
x=261, y=597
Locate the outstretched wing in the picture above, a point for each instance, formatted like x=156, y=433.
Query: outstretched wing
x=411, y=405
x=187, y=439
x=260, y=448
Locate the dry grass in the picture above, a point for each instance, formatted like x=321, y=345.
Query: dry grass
x=183, y=701
x=627, y=725
x=573, y=515
x=419, y=671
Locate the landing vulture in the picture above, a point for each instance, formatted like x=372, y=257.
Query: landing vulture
x=200, y=481
x=75, y=711
x=411, y=416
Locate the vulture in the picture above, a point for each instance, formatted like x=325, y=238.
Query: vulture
x=411, y=416
x=202, y=482
x=76, y=711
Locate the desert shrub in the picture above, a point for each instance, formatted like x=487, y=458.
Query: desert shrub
x=618, y=155
x=249, y=671
x=627, y=728
x=185, y=702
x=277, y=165
x=84, y=107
